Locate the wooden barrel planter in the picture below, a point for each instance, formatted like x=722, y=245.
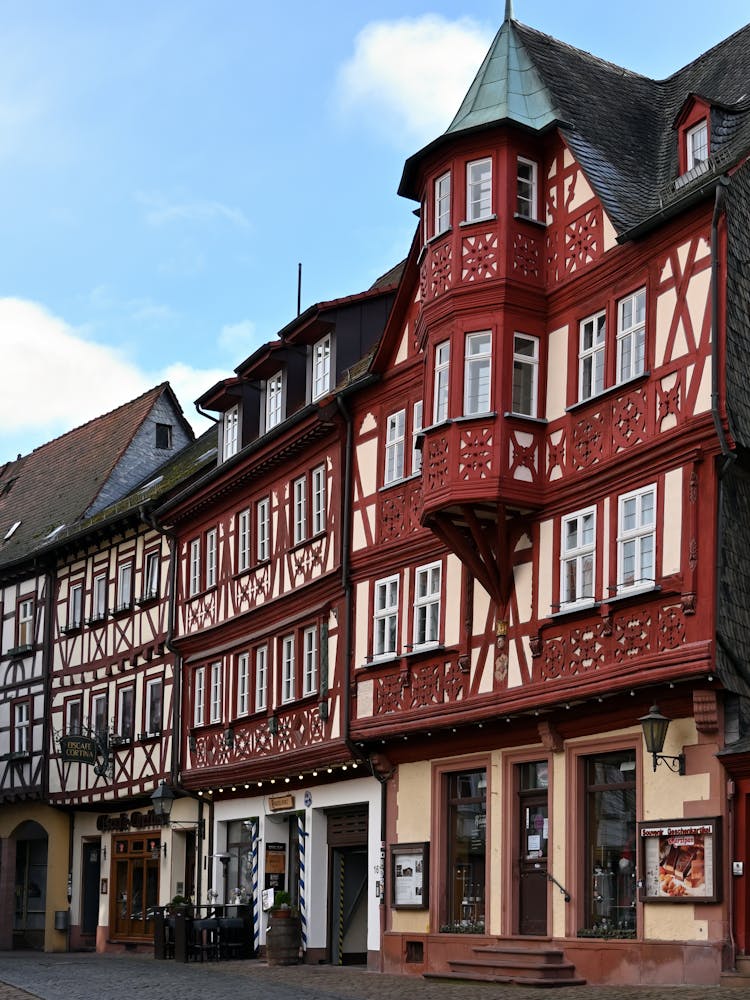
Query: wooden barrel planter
x=283, y=938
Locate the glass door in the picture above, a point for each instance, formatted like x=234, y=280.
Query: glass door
x=533, y=847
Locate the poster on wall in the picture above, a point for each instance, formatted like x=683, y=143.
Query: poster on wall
x=680, y=860
x=275, y=870
x=410, y=876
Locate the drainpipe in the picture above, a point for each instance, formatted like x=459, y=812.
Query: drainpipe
x=49, y=606
x=719, y=208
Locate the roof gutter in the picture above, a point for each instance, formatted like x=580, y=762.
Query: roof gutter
x=670, y=211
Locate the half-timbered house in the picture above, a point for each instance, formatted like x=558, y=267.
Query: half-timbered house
x=263, y=624
x=58, y=642
x=549, y=498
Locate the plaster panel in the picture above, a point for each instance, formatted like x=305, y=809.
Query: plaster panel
x=367, y=465
x=605, y=542
x=414, y=818
x=515, y=678
x=453, y=587
x=524, y=578
x=361, y=634
x=558, y=363
x=484, y=661
x=703, y=398
x=365, y=698
x=402, y=353
x=672, y=537
x=609, y=234
x=582, y=192
x=665, y=305
x=545, y=569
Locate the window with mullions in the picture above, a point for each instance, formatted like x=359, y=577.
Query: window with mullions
x=318, y=523
x=22, y=727
x=154, y=699
x=300, y=510
x=243, y=541
x=394, y=447
x=442, y=380
x=577, y=555
x=478, y=190
x=466, y=818
x=321, y=367
x=151, y=576
x=230, y=432
x=526, y=188
x=591, y=345
x=199, y=697
x=525, y=374
x=75, y=606
x=416, y=428
x=636, y=539
x=195, y=567
x=211, y=558
x=631, y=336
x=385, y=625
x=243, y=684
x=215, y=704
x=263, y=518
x=25, y=625
x=124, y=586
x=261, y=678
x=287, y=669
x=442, y=203
x=274, y=392
x=610, y=892
x=310, y=661
x=696, y=139
x=427, y=590
x=477, y=365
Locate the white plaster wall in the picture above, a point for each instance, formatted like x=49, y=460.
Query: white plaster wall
x=672, y=538
x=545, y=569
x=557, y=379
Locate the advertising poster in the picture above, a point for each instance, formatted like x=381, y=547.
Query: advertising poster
x=679, y=860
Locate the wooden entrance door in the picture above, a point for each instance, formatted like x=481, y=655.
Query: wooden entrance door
x=533, y=843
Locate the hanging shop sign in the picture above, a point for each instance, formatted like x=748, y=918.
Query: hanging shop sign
x=78, y=749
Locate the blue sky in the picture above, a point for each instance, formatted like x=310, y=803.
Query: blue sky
x=165, y=165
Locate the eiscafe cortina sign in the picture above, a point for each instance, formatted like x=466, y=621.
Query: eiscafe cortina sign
x=78, y=749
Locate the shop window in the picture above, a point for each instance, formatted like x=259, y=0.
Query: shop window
x=610, y=895
x=466, y=856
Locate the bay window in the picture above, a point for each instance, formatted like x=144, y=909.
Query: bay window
x=477, y=367
x=442, y=382
x=526, y=188
x=525, y=374
x=442, y=203
x=478, y=190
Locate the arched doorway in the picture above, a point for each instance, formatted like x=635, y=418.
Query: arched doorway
x=30, y=886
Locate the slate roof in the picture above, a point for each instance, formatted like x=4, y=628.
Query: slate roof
x=618, y=124
x=59, y=482
x=737, y=340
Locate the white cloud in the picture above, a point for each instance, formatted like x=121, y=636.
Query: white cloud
x=237, y=341
x=54, y=378
x=160, y=210
x=410, y=75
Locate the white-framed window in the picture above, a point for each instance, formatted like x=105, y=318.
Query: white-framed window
x=21, y=727
x=636, y=539
x=442, y=381
x=443, y=203
x=309, y=661
x=274, y=393
x=154, y=700
x=263, y=512
x=385, y=625
x=151, y=576
x=416, y=427
x=525, y=374
x=478, y=189
x=195, y=567
x=394, y=447
x=99, y=720
x=75, y=605
x=631, y=335
x=124, y=586
x=125, y=712
x=25, y=630
x=577, y=557
x=211, y=558
x=321, y=367
x=319, y=500
x=73, y=717
x=591, y=340
x=215, y=712
x=243, y=540
x=287, y=668
x=696, y=139
x=526, y=188
x=99, y=597
x=199, y=697
x=427, y=589
x=261, y=678
x=230, y=432
x=299, y=488
x=243, y=683
x=477, y=366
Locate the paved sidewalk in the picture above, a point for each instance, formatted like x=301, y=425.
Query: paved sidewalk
x=36, y=976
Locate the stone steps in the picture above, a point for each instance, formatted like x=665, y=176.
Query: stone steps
x=540, y=967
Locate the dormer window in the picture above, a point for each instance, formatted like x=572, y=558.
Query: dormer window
x=163, y=437
x=274, y=388
x=321, y=367
x=478, y=190
x=230, y=432
x=526, y=188
x=696, y=139
x=442, y=203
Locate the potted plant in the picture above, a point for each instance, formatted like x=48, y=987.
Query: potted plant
x=282, y=905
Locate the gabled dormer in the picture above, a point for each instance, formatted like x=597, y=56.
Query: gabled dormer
x=237, y=403
x=693, y=130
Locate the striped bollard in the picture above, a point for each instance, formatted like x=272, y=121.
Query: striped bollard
x=302, y=896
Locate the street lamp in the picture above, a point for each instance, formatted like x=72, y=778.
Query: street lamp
x=655, y=727
x=162, y=800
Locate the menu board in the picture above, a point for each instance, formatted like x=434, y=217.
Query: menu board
x=679, y=860
x=410, y=876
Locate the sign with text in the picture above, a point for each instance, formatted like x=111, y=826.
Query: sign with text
x=78, y=749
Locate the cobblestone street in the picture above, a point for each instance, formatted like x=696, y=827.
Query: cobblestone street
x=88, y=976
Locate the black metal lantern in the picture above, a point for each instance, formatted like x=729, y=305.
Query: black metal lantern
x=162, y=800
x=655, y=726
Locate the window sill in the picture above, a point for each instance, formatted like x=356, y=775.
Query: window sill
x=117, y=742
x=385, y=660
x=148, y=737
x=428, y=649
x=476, y=222
x=612, y=390
x=439, y=236
x=121, y=610
x=20, y=755
x=308, y=541
x=633, y=592
x=541, y=421
x=466, y=417
x=71, y=629
x=202, y=593
x=537, y=223
x=97, y=619
x=148, y=598
x=20, y=650
x=575, y=609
